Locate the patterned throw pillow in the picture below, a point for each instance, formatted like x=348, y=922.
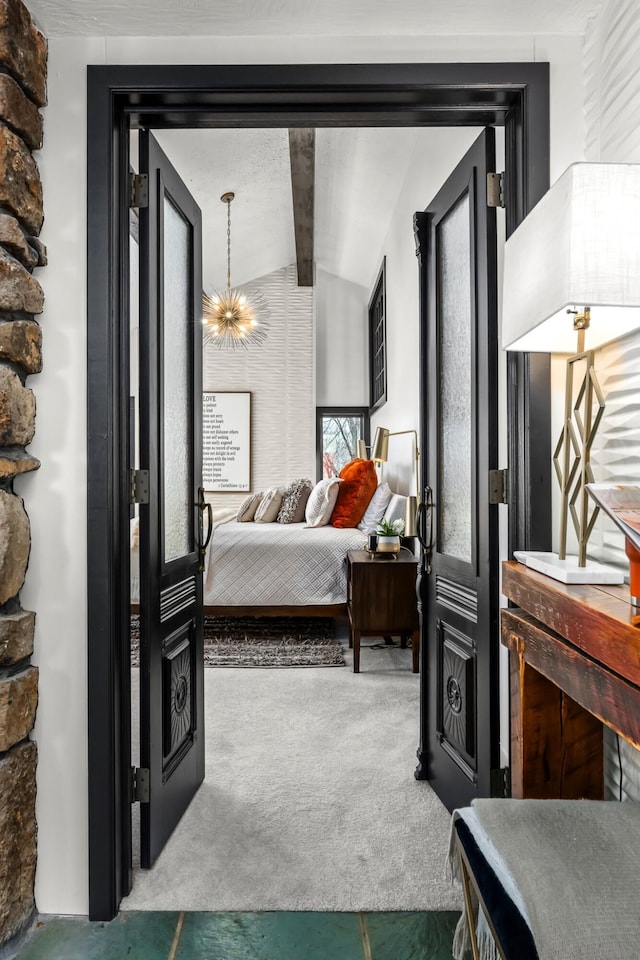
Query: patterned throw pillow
x=248, y=507
x=270, y=505
x=321, y=502
x=360, y=482
x=294, y=501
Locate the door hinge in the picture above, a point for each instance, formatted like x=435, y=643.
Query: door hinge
x=501, y=782
x=139, y=486
x=138, y=190
x=498, y=486
x=495, y=189
x=139, y=785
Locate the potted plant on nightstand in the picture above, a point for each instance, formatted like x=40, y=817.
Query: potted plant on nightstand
x=389, y=535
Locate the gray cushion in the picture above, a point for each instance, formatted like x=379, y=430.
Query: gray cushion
x=294, y=501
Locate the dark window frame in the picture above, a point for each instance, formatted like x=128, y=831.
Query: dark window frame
x=377, y=313
x=331, y=411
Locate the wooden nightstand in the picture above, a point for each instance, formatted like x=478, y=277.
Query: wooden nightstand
x=381, y=598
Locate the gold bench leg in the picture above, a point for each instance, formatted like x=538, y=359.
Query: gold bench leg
x=468, y=909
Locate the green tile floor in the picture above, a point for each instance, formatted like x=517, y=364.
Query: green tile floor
x=244, y=936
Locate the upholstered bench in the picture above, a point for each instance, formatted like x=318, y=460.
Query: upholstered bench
x=553, y=879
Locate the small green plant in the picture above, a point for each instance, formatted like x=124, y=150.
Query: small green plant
x=390, y=528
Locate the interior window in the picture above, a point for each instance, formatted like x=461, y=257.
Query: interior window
x=377, y=341
x=338, y=430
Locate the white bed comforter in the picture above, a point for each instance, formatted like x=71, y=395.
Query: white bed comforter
x=278, y=564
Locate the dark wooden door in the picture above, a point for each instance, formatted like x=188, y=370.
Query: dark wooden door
x=171, y=613
x=459, y=581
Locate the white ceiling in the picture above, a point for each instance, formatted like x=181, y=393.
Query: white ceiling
x=146, y=18
x=359, y=173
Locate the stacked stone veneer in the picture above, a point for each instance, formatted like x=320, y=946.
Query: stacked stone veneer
x=23, y=57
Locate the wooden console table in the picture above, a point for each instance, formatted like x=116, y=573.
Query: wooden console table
x=574, y=665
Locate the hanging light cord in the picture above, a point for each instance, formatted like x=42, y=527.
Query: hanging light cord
x=228, y=245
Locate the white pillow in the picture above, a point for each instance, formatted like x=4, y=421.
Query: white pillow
x=375, y=511
x=269, y=505
x=321, y=502
x=396, y=508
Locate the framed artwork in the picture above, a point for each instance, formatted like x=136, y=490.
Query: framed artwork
x=226, y=442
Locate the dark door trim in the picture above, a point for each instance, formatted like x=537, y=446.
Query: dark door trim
x=515, y=95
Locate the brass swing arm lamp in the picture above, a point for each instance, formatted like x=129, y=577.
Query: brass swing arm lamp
x=380, y=454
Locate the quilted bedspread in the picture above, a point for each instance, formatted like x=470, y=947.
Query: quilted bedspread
x=278, y=564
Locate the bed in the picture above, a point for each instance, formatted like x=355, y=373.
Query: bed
x=278, y=568
x=274, y=569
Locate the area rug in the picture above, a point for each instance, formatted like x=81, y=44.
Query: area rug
x=263, y=642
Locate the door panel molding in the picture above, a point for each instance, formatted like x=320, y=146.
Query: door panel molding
x=438, y=94
x=177, y=597
x=456, y=724
x=457, y=598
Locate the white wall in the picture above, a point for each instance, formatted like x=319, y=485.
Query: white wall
x=280, y=376
x=56, y=495
x=436, y=153
x=342, y=344
x=612, y=105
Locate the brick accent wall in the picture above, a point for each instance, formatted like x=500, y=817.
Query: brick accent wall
x=23, y=65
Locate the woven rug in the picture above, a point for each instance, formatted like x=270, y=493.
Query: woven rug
x=263, y=642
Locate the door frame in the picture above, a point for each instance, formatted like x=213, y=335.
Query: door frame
x=513, y=95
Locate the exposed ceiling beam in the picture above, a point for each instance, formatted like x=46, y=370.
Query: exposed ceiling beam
x=302, y=148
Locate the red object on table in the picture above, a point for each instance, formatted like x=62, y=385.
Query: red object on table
x=634, y=570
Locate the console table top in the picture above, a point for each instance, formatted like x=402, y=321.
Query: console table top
x=597, y=619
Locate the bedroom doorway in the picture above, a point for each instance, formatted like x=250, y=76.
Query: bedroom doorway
x=185, y=97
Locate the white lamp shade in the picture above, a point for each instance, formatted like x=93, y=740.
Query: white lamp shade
x=578, y=247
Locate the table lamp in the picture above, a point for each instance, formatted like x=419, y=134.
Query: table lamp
x=571, y=283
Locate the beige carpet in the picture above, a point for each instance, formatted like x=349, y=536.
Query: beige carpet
x=309, y=801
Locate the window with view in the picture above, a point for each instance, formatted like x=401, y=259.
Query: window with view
x=338, y=431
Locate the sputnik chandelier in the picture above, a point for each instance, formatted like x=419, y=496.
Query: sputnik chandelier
x=233, y=318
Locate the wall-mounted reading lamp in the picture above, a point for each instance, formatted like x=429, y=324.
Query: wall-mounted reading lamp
x=380, y=454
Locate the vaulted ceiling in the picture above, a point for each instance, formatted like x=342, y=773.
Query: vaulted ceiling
x=358, y=175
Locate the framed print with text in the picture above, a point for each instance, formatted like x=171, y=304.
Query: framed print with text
x=226, y=442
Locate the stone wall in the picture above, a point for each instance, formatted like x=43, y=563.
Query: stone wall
x=23, y=58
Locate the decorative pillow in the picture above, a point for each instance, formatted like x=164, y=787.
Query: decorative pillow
x=375, y=511
x=248, y=507
x=321, y=502
x=294, y=501
x=396, y=508
x=268, y=508
x=359, y=485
